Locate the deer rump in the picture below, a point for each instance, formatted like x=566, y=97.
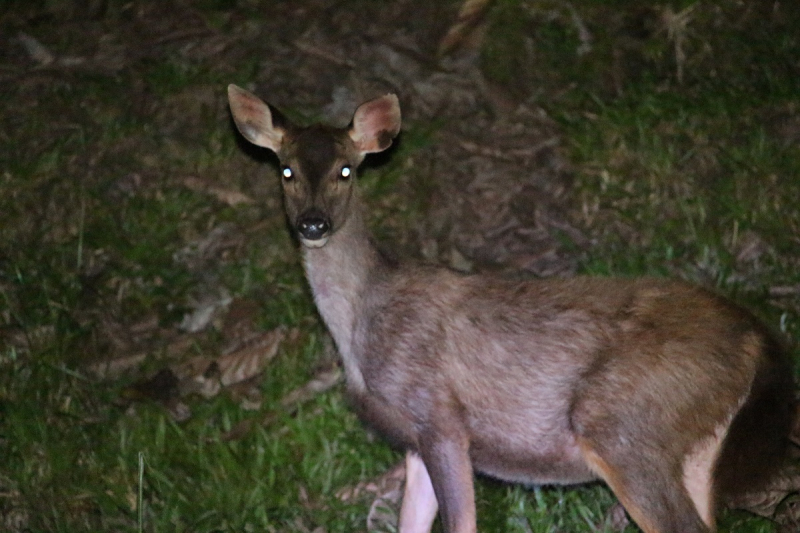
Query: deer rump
x=675, y=397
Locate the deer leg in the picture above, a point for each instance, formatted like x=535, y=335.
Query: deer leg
x=446, y=457
x=650, y=489
x=419, y=501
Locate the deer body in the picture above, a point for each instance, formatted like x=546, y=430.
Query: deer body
x=673, y=396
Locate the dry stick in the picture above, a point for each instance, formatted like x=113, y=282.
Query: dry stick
x=784, y=290
x=314, y=50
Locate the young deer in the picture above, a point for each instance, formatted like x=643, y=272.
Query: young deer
x=675, y=397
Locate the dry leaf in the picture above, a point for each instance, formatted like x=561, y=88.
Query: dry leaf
x=197, y=254
x=205, y=310
x=325, y=380
x=386, y=491
x=203, y=375
x=616, y=518
x=766, y=501
x=750, y=248
x=239, y=326
x=469, y=16
x=322, y=382
x=232, y=368
x=300, y=525
x=247, y=394
x=788, y=515
x=118, y=366
x=25, y=340
x=224, y=195
x=384, y=512
x=390, y=480
x=36, y=50
x=161, y=387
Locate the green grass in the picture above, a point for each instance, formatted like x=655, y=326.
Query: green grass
x=671, y=177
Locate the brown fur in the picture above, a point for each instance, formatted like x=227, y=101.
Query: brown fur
x=674, y=396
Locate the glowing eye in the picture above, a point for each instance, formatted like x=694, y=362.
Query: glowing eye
x=346, y=172
x=287, y=173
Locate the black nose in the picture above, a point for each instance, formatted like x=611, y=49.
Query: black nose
x=313, y=227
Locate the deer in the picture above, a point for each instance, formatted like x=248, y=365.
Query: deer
x=675, y=397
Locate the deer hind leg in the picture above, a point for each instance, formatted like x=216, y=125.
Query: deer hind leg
x=652, y=489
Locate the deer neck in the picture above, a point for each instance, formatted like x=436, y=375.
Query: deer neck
x=338, y=273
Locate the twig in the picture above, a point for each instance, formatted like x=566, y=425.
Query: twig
x=584, y=35
x=314, y=50
x=181, y=35
x=782, y=291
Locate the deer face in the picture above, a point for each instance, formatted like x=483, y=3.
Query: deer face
x=318, y=163
x=318, y=169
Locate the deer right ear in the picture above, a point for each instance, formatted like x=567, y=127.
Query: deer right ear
x=254, y=119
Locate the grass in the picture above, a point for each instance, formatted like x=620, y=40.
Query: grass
x=673, y=178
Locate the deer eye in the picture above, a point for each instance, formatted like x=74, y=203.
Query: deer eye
x=346, y=172
x=287, y=173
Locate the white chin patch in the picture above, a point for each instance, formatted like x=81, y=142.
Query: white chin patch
x=316, y=243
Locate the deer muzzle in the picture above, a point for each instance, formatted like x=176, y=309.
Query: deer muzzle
x=313, y=229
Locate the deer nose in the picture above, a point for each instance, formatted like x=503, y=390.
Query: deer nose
x=313, y=227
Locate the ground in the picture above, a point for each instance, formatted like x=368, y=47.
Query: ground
x=162, y=366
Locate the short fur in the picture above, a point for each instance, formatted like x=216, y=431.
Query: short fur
x=674, y=396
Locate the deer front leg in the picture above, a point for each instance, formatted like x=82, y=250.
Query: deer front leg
x=419, y=501
x=446, y=458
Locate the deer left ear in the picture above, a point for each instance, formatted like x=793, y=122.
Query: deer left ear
x=375, y=124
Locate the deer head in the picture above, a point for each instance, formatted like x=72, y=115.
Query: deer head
x=318, y=163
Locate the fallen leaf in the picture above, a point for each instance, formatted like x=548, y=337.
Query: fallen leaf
x=469, y=16
x=766, y=501
x=788, y=515
x=616, y=519
x=750, y=248
x=240, y=326
x=202, y=375
x=229, y=369
x=247, y=394
x=26, y=340
x=387, y=493
x=198, y=253
x=391, y=480
x=161, y=387
x=325, y=380
x=230, y=197
x=116, y=367
x=205, y=310
x=35, y=49
x=384, y=512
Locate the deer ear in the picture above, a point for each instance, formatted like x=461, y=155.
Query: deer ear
x=375, y=124
x=254, y=119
